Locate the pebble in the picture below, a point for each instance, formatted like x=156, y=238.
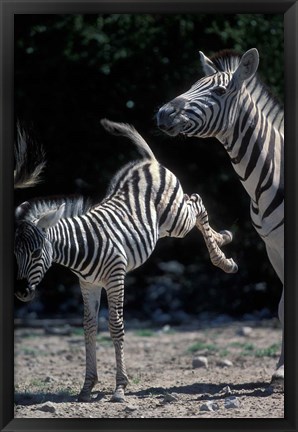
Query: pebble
x=225, y=363
x=232, y=402
x=226, y=391
x=166, y=328
x=199, y=362
x=209, y=406
x=47, y=407
x=245, y=331
x=49, y=379
x=130, y=408
x=170, y=397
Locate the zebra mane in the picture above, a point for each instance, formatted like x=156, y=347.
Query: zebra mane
x=33, y=210
x=228, y=61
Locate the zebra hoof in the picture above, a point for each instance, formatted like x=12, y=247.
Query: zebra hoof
x=277, y=380
x=118, y=396
x=84, y=397
x=233, y=268
x=227, y=237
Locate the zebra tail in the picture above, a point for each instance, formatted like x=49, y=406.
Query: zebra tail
x=131, y=133
x=29, y=161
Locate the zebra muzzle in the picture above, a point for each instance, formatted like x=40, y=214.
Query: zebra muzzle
x=27, y=295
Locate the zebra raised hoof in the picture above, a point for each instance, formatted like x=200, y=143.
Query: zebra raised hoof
x=101, y=242
x=231, y=104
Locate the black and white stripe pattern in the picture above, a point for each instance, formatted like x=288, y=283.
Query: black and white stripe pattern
x=231, y=104
x=100, y=243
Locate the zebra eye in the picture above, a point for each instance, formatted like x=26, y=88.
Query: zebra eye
x=219, y=91
x=36, y=254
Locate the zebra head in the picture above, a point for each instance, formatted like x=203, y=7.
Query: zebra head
x=33, y=250
x=210, y=106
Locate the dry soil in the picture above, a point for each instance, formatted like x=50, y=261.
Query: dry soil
x=49, y=371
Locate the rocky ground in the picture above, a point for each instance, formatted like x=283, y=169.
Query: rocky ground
x=216, y=371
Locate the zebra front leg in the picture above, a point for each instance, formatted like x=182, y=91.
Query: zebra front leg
x=91, y=296
x=213, y=239
x=115, y=294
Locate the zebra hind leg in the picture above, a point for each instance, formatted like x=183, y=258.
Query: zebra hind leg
x=115, y=294
x=91, y=297
x=213, y=239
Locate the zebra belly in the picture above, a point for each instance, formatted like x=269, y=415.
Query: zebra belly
x=139, y=256
x=127, y=256
x=273, y=237
x=268, y=222
x=274, y=241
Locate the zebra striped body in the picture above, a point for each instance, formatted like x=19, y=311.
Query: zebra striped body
x=100, y=243
x=231, y=104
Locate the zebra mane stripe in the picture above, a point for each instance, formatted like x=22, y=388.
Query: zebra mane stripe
x=33, y=210
x=74, y=205
x=226, y=60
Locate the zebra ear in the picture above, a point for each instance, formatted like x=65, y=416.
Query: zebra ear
x=248, y=66
x=50, y=219
x=207, y=65
x=21, y=210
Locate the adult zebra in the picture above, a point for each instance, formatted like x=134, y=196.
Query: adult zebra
x=231, y=104
x=100, y=243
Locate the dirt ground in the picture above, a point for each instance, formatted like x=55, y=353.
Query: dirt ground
x=164, y=382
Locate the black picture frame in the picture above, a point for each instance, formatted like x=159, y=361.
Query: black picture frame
x=8, y=8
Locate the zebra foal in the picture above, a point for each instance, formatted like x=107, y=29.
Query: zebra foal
x=101, y=242
x=231, y=104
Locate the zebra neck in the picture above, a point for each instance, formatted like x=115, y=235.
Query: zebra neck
x=63, y=248
x=255, y=147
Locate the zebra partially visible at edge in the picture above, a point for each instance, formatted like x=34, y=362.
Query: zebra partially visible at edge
x=101, y=243
x=231, y=104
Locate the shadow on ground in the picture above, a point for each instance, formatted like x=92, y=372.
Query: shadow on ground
x=200, y=391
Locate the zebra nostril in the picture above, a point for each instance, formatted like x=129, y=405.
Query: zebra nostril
x=170, y=114
x=165, y=116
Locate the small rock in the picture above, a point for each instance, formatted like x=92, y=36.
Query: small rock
x=170, y=397
x=225, y=363
x=209, y=406
x=204, y=396
x=232, y=402
x=130, y=408
x=226, y=391
x=199, y=362
x=48, y=407
x=166, y=328
x=69, y=357
x=49, y=379
x=245, y=331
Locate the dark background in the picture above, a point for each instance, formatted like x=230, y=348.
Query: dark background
x=73, y=70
